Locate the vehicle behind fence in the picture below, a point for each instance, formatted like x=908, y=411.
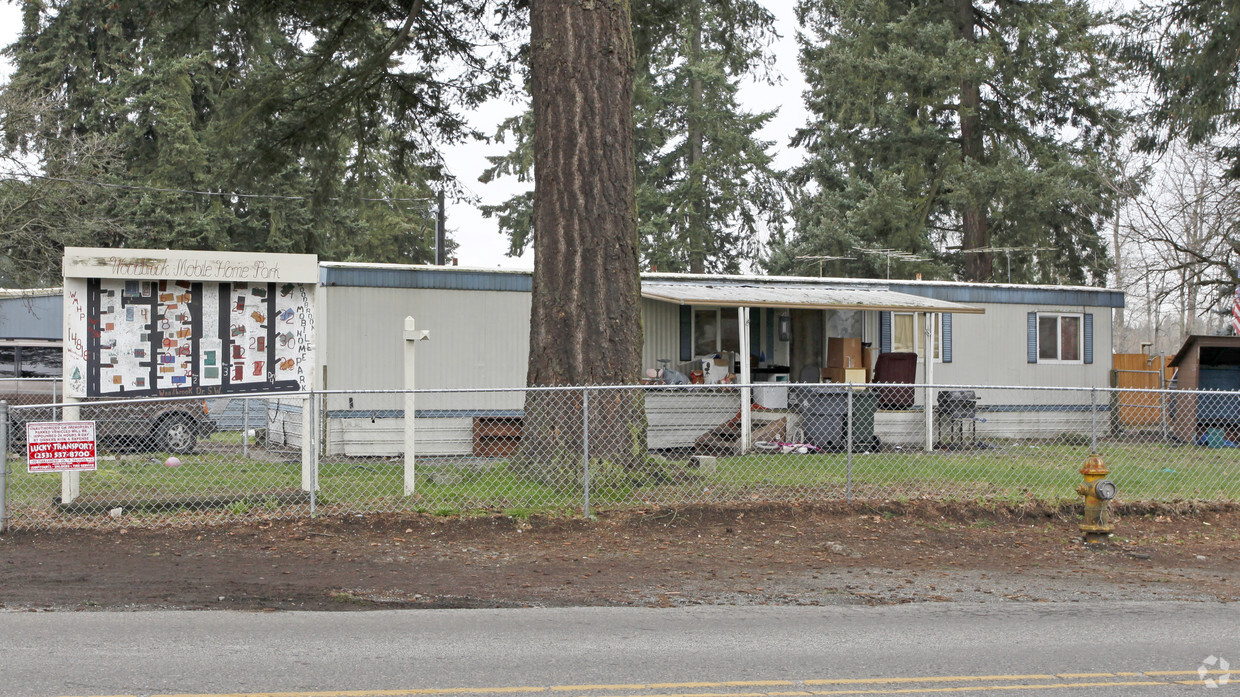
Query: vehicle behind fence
x=579, y=449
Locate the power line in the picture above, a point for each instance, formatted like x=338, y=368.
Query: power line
x=224, y=194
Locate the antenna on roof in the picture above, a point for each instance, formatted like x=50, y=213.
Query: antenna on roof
x=1006, y=251
x=890, y=254
x=821, y=259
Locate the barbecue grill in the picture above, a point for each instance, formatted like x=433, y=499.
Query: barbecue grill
x=957, y=408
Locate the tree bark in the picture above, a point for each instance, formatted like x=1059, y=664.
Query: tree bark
x=697, y=224
x=585, y=322
x=978, y=266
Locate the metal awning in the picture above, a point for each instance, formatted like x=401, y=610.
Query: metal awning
x=802, y=297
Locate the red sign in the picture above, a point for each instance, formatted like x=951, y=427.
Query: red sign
x=60, y=446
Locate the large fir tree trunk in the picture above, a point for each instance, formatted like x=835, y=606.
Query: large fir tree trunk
x=697, y=223
x=977, y=266
x=585, y=324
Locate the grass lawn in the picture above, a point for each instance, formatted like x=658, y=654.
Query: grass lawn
x=1009, y=471
x=1017, y=471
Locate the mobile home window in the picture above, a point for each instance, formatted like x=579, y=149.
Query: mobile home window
x=908, y=334
x=40, y=361
x=715, y=330
x=8, y=362
x=1059, y=338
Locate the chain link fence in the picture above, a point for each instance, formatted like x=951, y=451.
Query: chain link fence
x=196, y=461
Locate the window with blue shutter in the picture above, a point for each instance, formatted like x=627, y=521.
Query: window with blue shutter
x=1087, y=350
x=1061, y=337
x=1032, y=337
x=770, y=334
x=945, y=341
x=884, y=332
x=686, y=333
x=755, y=330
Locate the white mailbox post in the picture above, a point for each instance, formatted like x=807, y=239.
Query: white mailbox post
x=412, y=337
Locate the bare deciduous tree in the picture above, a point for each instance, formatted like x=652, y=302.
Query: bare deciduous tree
x=1182, y=244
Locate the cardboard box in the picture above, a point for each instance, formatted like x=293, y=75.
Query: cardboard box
x=853, y=375
x=843, y=352
x=868, y=355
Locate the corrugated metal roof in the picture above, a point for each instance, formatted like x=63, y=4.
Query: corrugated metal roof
x=424, y=277
x=30, y=292
x=520, y=280
x=734, y=295
x=954, y=291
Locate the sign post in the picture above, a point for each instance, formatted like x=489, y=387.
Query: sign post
x=71, y=480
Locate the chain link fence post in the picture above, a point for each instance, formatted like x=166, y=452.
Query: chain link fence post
x=1093, y=419
x=1163, y=397
x=585, y=447
x=308, y=442
x=4, y=466
x=245, y=429
x=848, y=476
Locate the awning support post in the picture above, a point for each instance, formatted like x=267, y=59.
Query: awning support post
x=746, y=379
x=928, y=332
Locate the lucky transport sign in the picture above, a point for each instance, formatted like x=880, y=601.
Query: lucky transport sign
x=60, y=446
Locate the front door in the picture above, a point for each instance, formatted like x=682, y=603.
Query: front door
x=806, y=349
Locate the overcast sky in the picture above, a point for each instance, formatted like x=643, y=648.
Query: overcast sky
x=481, y=245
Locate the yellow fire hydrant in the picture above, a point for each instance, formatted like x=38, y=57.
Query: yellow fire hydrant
x=1097, y=491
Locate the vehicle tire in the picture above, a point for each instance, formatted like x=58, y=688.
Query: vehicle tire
x=176, y=435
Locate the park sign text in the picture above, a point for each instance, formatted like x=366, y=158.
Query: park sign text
x=94, y=262
x=60, y=446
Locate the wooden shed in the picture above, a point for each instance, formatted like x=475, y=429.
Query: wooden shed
x=1207, y=363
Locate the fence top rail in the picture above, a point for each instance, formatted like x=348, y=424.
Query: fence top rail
x=736, y=386
x=713, y=388
x=93, y=402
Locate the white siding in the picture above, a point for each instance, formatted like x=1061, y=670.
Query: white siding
x=661, y=329
x=991, y=349
x=477, y=339
x=480, y=339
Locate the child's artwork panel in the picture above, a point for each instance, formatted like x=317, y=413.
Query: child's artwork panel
x=170, y=337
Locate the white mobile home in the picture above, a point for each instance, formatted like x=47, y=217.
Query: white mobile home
x=980, y=334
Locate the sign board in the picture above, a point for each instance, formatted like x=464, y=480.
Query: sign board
x=164, y=323
x=193, y=266
x=60, y=446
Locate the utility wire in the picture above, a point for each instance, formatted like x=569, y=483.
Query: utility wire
x=228, y=194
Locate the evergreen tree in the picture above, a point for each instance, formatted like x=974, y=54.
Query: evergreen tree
x=940, y=124
x=585, y=319
x=1190, y=50
x=46, y=205
x=311, y=111
x=705, y=183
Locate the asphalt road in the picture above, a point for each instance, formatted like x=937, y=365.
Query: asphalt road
x=993, y=648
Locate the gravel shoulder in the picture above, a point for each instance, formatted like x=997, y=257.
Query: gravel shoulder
x=821, y=554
